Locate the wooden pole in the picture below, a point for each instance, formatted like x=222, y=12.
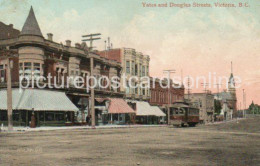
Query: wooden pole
x=9, y=97
x=93, y=116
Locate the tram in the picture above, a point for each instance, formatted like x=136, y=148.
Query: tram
x=182, y=114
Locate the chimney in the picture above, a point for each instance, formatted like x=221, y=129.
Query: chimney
x=68, y=43
x=11, y=26
x=77, y=45
x=50, y=35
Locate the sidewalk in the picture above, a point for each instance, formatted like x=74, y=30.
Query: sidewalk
x=28, y=129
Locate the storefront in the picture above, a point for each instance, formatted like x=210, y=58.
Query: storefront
x=145, y=113
x=49, y=108
x=120, y=112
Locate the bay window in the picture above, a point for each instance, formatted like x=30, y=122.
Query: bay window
x=30, y=70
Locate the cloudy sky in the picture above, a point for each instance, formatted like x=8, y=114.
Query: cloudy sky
x=195, y=40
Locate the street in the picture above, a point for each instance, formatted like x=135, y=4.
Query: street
x=229, y=143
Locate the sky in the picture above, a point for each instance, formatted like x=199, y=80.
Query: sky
x=195, y=41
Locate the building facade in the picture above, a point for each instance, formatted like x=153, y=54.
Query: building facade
x=134, y=64
x=161, y=96
x=205, y=103
x=228, y=100
x=35, y=57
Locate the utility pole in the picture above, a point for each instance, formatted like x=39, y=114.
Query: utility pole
x=218, y=89
x=188, y=88
x=244, y=103
x=9, y=96
x=169, y=94
x=93, y=115
x=206, y=95
x=90, y=38
x=7, y=55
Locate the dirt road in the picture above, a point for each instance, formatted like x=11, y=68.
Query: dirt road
x=222, y=144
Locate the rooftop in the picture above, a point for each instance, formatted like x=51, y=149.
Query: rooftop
x=31, y=26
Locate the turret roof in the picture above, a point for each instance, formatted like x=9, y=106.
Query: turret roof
x=31, y=26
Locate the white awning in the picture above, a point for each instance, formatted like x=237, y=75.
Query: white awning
x=143, y=108
x=37, y=99
x=157, y=111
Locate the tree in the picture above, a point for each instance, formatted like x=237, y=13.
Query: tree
x=217, y=106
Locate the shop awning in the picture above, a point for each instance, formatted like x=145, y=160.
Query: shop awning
x=119, y=106
x=157, y=111
x=37, y=99
x=143, y=109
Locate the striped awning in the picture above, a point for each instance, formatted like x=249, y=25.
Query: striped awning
x=119, y=106
x=37, y=100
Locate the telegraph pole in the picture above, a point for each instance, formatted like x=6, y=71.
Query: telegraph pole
x=169, y=94
x=7, y=55
x=90, y=38
x=9, y=96
x=188, y=89
x=218, y=89
x=93, y=114
x=206, y=94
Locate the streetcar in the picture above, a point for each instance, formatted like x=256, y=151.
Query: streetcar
x=182, y=114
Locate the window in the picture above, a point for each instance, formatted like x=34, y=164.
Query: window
x=136, y=88
x=36, y=70
x=143, y=71
x=133, y=68
x=2, y=73
x=127, y=88
x=97, y=83
x=28, y=69
x=140, y=70
x=147, y=70
x=77, y=73
x=127, y=67
x=136, y=69
x=43, y=69
x=21, y=69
